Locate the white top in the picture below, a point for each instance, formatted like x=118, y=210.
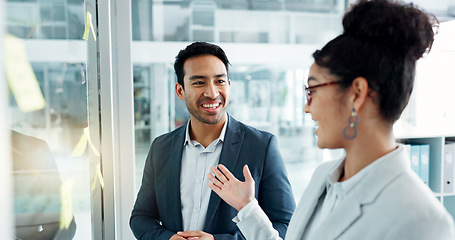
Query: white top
x=194, y=190
x=384, y=201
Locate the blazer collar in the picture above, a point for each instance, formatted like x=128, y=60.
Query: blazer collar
x=174, y=179
x=229, y=155
x=387, y=168
x=309, y=201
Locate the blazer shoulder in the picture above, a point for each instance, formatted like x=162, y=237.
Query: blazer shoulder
x=412, y=193
x=411, y=201
x=166, y=139
x=408, y=199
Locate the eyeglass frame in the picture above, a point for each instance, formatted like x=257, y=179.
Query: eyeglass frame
x=308, y=88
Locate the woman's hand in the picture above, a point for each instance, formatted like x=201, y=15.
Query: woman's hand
x=234, y=192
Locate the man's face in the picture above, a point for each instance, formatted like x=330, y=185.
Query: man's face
x=207, y=88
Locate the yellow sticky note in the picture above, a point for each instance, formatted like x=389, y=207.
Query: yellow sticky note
x=21, y=78
x=87, y=134
x=80, y=147
x=66, y=201
x=82, y=144
x=98, y=176
x=88, y=26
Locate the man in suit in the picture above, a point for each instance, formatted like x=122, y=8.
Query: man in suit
x=174, y=201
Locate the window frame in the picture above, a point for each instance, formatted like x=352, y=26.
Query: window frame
x=111, y=123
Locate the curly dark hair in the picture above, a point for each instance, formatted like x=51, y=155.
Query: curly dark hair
x=197, y=49
x=381, y=41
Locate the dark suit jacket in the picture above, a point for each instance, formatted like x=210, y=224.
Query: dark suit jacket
x=157, y=211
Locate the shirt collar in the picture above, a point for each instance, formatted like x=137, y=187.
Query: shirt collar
x=346, y=186
x=219, y=139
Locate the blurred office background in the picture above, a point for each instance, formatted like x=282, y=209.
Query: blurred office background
x=269, y=44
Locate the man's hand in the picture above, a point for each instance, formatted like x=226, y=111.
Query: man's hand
x=234, y=192
x=177, y=237
x=195, y=235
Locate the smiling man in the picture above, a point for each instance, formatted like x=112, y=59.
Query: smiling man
x=174, y=201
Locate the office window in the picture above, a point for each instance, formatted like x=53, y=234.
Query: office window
x=52, y=187
x=40, y=19
x=309, y=22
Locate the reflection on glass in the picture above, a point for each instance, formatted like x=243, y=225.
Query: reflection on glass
x=43, y=140
x=37, y=203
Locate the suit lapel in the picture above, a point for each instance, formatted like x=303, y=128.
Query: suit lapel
x=174, y=178
x=306, y=208
x=233, y=141
x=229, y=155
x=365, y=192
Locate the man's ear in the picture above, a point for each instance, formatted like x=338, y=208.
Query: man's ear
x=180, y=91
x=360, y=88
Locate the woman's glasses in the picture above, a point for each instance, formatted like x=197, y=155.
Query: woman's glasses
x=308, y=90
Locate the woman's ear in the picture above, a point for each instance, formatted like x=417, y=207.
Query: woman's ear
x=180, y=91
x=360, y=88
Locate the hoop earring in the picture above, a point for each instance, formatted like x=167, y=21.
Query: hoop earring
x=353, y=121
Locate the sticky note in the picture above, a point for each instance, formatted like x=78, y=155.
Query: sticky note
x=87, y=134
x=88, y=26
x=80, y=147
x=99, y=176
x=82, y=144
x=66, y=201
x=21, y=78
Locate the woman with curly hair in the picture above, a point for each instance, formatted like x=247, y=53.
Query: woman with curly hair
x=358, y=86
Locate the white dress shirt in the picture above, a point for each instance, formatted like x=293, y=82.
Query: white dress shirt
x=194, y=190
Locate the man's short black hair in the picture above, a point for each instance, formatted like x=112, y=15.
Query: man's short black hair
x=197, y=49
